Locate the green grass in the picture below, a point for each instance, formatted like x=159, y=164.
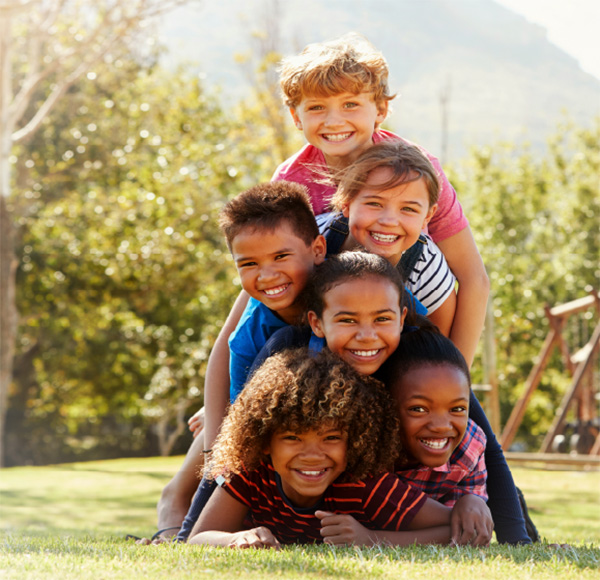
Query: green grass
x=69, y=522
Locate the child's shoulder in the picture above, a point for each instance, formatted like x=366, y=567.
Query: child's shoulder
x=299, y=163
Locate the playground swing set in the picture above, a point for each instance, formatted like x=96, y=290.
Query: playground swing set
x=578, y=440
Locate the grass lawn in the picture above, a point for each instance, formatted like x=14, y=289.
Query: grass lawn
x=69, y=522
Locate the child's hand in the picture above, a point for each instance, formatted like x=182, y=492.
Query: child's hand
x=471, y=522
x=338, y=529
x=196, y=422
x=260, y=537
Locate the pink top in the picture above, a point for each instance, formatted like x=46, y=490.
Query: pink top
x=447, y=221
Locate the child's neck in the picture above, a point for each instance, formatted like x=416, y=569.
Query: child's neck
x=291, y=315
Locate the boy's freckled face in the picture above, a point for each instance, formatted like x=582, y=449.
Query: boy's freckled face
x=389, y=222
x=308, y=462
x=433, y=406
x=341, y=125
x=274, y=266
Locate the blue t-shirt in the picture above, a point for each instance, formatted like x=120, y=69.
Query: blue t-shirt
x=257, y=324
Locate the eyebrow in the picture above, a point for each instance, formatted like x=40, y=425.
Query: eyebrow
x=428, y=399
x=280, y=251
x=353, y=313
x=406, y=202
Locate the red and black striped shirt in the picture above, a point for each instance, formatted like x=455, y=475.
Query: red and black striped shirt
x=384, y=502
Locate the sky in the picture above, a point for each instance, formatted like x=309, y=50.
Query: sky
x=573, y=25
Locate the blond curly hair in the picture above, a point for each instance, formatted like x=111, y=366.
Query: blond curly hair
x=295, y=391
x=348, y=63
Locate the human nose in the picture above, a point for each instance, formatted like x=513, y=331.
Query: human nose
x=439, y=422
x=333, y=117
x=267, y=273
x=366, y=332
x=312, y=449
x=389, y=217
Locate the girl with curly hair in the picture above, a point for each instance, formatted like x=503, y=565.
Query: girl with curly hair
x=305, y=452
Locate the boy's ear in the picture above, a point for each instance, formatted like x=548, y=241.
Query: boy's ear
x=382, y=111
x=319, y=248
x=315, y=323
x=294, y=115
x=346, y=210
x=430, y=214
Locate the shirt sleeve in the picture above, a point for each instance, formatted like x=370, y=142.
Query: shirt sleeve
x=431, y=280
x=449, y=219
x=503, y=501
x=390, y=503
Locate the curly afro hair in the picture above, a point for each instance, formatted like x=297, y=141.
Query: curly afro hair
x=295, y=391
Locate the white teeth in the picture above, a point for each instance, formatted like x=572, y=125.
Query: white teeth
x=435, y=443
x=336, y=136
x=365, y=352
x=313, y=473
x=273, y=291
x=387, y=238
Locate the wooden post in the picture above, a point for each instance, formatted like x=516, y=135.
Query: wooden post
x=580, y=372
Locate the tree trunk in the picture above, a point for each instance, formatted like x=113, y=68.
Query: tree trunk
x=8, y=312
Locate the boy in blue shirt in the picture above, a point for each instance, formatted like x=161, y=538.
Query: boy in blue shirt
x=274, y=239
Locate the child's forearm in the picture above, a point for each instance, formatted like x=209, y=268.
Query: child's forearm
x=216, y=382
x=473, y=289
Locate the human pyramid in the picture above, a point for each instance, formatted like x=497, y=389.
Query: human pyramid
x=338, y=406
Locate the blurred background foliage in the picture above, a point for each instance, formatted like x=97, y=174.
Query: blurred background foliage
x=124, y=278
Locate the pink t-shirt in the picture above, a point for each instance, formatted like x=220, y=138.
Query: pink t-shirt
x=447, y=221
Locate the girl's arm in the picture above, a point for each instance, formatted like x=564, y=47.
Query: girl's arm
x=473, y=289
x=221, y=524
x=502, y=493
x=341, y=529
x=443, y=316
x=216, y=382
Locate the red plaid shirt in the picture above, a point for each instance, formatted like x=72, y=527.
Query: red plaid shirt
x=464, y=473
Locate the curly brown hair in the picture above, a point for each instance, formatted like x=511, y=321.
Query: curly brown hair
x=348, y=63
x=295, y=391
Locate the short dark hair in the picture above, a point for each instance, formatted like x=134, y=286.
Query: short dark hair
x=422, y=347
x=265, y=206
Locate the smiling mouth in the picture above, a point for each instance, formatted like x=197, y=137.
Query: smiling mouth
x=384, y=238
x=435, y=444
x=366, y=353
x=335, y=137
x=276, y=290
x=313, y=473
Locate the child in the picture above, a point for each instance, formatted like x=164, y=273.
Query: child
x=338, y=95
x=275, y=243
x=340, y=296
x=429, y=381
x=303, y=451
x=383, y=201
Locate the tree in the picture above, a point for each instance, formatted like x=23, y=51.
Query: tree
x=536, y=226
x=45, y=47
x=124, y=275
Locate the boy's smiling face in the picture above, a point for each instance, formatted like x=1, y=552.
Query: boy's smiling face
x=308, y=462
x=341, y=125
x=433, y=406
x=274, y=266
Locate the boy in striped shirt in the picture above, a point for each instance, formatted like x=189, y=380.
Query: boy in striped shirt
x=302, y=457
